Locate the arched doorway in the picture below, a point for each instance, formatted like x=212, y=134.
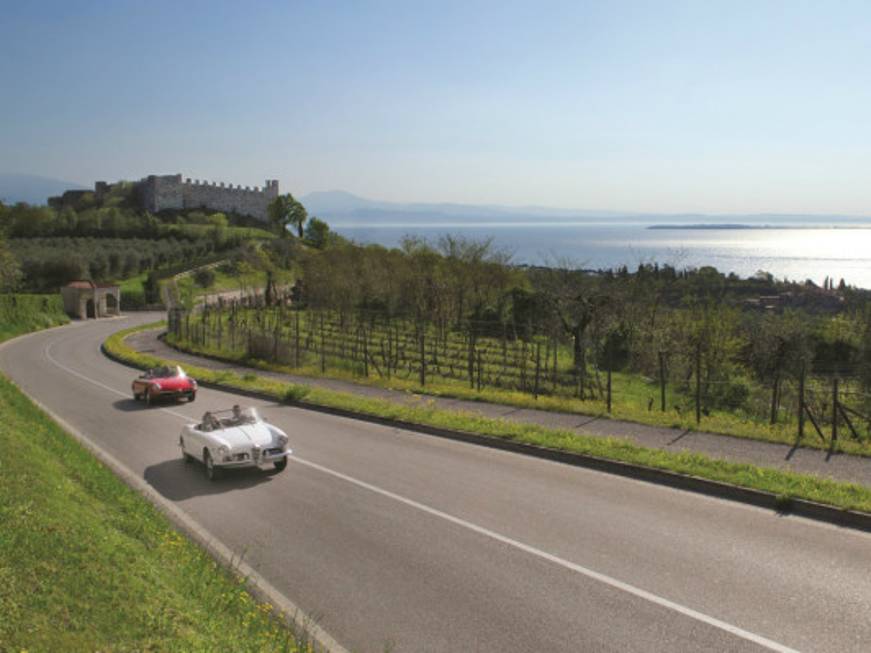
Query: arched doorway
x=90, y=311
x=111, y=304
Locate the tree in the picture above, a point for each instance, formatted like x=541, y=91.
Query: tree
x=151, y=288
x=779, y=345
x=10, y=270
x=285, y=211
x=317, y=233
x=204, y=277
x=576, y=300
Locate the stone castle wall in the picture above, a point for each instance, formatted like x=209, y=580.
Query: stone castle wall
x=161, y=192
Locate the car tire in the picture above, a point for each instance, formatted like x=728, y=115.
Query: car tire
x=191, y=397
x=136, y=396
x=186, y=456
x=212, y=472
x=280, y=464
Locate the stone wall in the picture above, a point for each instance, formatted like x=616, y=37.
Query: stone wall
x=246, y=201
x=160, y=192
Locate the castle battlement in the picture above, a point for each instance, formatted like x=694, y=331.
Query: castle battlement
x=161, y=192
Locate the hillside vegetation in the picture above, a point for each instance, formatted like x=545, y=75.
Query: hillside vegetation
x=23, y=313
x=113, y=239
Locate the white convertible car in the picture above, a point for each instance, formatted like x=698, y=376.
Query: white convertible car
x=233, y=438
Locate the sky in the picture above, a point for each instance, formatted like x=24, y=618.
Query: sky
x=705, y=106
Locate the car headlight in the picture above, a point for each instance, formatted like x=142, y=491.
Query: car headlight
x=223, y=451
x=156, y=386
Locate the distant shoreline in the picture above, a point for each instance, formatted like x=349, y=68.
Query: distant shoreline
x=754, y=226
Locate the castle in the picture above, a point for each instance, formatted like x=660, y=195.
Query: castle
x=159, y=192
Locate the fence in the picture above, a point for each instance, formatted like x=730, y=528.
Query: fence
x=369, y=344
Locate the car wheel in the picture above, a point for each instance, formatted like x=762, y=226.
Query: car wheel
x=281, y=464
x=185, y=455
x=212, y=472
x=192, y=396
x=136, y=396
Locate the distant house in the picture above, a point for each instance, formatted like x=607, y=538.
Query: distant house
x=85, y=299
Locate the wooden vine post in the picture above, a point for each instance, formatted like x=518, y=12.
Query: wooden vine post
x=422, y=358
x=801, y=406
x=698, y=383
x=661, y=382
x=834, y=411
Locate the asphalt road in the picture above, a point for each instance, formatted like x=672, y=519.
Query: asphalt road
x=396, y=539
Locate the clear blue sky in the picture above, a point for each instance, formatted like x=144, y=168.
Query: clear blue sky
x=649, y=106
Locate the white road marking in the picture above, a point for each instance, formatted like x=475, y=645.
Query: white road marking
x=595, y=575
x=580, y=569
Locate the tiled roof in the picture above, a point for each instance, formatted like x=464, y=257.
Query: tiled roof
x=90, y=284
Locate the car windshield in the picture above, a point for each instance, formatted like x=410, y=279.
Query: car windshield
x=164, y=372
x=223, y=419
x=239, y=416
x=248, y=416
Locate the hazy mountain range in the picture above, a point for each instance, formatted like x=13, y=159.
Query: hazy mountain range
x=341, y=208
x=33, y=189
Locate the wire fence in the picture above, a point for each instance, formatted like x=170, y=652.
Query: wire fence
x=477, y=354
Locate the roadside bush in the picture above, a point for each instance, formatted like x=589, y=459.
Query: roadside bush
x=204, y=277
x=732, y=395
x=132, y=300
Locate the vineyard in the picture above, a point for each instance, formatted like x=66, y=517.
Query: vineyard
x=442, y=358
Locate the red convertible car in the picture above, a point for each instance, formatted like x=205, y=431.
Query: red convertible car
x=164, y=381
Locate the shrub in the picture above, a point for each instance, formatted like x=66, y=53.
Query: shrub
x=204, y=277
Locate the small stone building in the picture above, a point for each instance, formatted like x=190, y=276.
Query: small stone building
x=85, y=299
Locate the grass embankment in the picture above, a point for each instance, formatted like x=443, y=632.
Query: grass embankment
x=252, y=279
x=134, y=285
x=631, y=396
x=783, y=484
x=87, y=564
x=23, y=313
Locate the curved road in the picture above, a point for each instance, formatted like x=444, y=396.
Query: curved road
x=396, y=539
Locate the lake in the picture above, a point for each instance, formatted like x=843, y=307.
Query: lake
x=794, y=254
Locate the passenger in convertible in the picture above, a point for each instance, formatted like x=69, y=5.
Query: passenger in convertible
x=210, y=422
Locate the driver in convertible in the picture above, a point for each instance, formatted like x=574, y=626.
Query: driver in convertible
x=210, y=422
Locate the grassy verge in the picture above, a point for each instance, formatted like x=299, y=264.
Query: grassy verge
x=718, y=422
x=421, y=411
x=23, y=313
x=87, y=564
